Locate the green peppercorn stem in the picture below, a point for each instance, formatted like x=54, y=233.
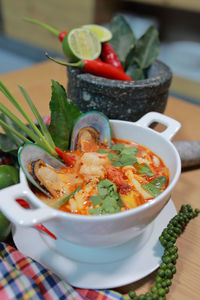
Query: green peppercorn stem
x=163, y=278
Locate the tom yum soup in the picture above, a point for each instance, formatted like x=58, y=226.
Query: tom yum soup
x=102, y=179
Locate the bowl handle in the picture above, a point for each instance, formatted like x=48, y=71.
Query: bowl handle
x=21, y=216
x=172, y=126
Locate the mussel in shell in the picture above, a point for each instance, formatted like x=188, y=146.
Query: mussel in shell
x=42, y=170
x=90, y=130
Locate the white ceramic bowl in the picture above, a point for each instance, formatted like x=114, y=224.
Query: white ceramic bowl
x=107, y=230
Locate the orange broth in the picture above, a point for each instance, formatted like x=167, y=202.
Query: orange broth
x=131, y=181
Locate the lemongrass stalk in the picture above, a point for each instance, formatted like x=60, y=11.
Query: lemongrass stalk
x=12, y=99
x=19, y=123
x=39, y=119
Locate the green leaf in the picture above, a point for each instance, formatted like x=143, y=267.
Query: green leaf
x=135, y=72
x=144, y=169
x=15, y=140
x=129, y=151
x=147, y=48
x=123, y=37
x=62, y=201
x=105, y=186
x=7, y=144
x=63, y=115
x=151, y=189
x=127, y=160
x=95, y=211
x=159, y=182
x=113, y=156
x=95, y=200
x=117, y=147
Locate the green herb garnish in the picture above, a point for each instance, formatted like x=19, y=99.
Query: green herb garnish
x=155, y=186
x=159, y=182
x=62, y=201
x=144, y=169
x=108, y=200
x=151, y=189
x=123, y=156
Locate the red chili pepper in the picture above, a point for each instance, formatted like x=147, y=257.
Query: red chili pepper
x=41, y=227
x=98, y=68
x=62, y=35
x=68, y=159
x=110, y=57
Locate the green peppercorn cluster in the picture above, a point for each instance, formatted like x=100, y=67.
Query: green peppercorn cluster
x=167, y=269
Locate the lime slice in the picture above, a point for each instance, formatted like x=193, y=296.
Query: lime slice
x=103, y=33
x=81, y=43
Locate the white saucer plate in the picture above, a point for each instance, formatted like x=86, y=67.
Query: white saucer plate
x=127, y=266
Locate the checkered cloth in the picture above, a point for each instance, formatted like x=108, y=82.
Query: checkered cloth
x=23, y=278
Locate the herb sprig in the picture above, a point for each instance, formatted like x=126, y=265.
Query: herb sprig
x=107, y=201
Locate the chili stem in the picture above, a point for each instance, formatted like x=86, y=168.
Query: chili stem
x=51, y=29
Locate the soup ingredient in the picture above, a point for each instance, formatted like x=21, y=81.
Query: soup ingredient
x=97, y=68
x=155, y=186
x=67, y=158
x=90, y=130
x=163, y=278
x=110, y=57
x=81, y=43
x=41, y=227
x=107, y=201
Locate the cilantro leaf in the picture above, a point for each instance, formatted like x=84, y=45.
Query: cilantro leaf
x=109, y=200
x=117, y=147
x=130, y=151
x=95, y=211
x=127, y=160
x=105, y=186
x=113, y=156
x=95, y=200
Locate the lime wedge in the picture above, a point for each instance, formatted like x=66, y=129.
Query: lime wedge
x=102, y=32
x=81, y=43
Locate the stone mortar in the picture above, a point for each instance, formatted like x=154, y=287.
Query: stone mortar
x=122, y=100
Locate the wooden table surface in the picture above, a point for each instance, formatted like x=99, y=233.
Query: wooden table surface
x=186, y=282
